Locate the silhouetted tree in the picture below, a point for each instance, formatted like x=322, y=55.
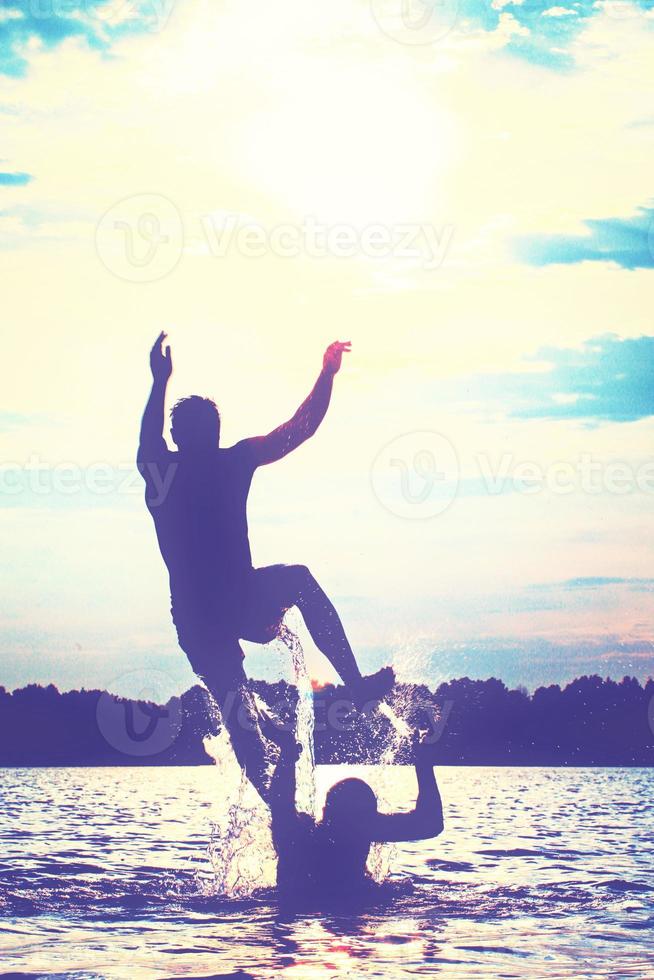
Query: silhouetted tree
x=590, y=722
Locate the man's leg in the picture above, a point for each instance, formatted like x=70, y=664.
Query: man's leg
x=279, y=587
x=241, y=715
x=325, y=626
x=241, y=718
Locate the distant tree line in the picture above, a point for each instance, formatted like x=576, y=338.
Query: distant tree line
x=589, y=722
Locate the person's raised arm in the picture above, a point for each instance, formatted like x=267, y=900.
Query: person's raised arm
x=281, y=799
x=151, y=443
x=426, y=819
x=287, y=437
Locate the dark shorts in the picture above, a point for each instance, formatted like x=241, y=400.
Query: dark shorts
x=251, y=609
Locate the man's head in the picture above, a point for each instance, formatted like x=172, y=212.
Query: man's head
x=349, y=807
x=195, y=424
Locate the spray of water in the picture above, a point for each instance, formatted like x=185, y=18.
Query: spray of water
x=381, y=856
x=305, y=799
x=241, y=849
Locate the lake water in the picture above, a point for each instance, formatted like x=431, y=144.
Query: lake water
x=539, y=874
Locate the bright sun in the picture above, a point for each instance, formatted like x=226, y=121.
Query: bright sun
x=350, y=147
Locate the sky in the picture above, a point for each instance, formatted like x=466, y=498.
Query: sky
x=463, y=191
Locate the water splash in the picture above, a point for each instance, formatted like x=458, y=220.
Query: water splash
x=241, y=849
x=396, y=738
x=400, y=733
x=305, y=797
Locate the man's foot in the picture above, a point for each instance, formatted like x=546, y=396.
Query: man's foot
x=373, y=688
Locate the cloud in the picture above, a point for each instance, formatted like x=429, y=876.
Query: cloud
x=27, y=26
x=560, y=12
x=628, y=242
x=15, y=180
x=547, y=36
x=14, y=420
x=542, y=37
x=537, y=661
x=600, y=582
x=607, y=379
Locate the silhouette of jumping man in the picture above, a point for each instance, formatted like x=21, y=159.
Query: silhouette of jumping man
x=325, y=862
x=197, y=497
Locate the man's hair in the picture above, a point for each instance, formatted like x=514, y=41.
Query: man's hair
x=350, y=799
x=195, y=423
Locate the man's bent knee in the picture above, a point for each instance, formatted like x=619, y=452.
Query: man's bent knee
x=302, y=580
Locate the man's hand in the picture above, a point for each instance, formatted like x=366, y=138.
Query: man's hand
x=333, y=356
x=152, y=446
x=161, y=363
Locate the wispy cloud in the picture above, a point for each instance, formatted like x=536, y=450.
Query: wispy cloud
x=528, y=30
x=16, y=420
x=15, y=180
x=628, y=242
x=537, y=661
x=599, y=582
x=26, y=25
x=608, y=379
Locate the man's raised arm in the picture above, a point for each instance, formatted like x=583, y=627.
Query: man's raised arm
x=287, y=437
x=151, y=443
x=281, y=798
x=426, y=819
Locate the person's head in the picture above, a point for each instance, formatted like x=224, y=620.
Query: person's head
x=195, y=424
x=349, y=807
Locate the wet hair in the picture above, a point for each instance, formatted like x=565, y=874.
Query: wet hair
x=348, y=802
x=195, y=423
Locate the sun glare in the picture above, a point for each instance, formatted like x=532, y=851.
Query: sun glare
x=350, y=147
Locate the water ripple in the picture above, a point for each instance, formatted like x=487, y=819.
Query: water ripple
x=540, y=873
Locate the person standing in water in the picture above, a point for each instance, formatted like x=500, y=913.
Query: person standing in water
x=197, y=497
x=325, y=861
